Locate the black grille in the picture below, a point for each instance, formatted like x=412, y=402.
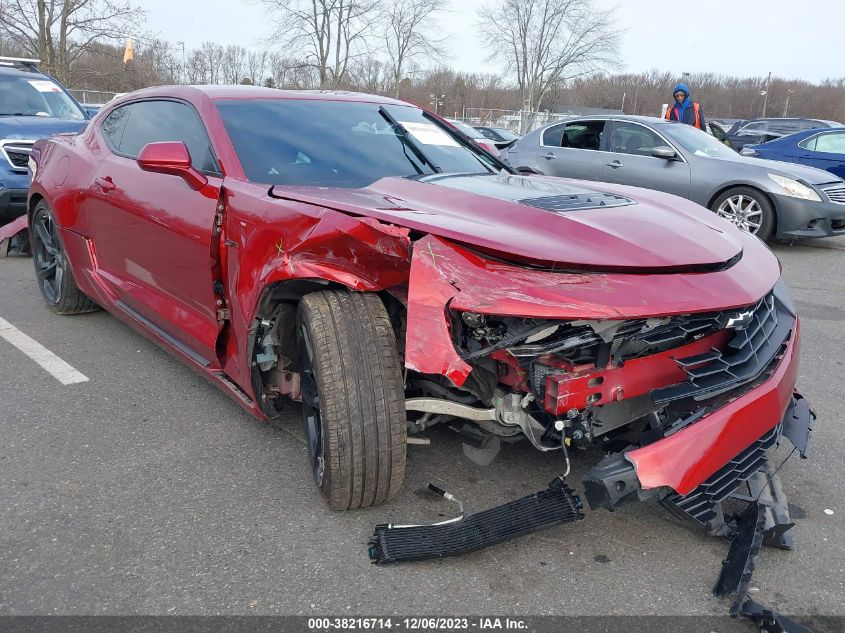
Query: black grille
x=575, y=201
x=700, y=503
x=18, y=153
x=760, y=336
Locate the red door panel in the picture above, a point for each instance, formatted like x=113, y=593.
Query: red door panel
x=152, y=235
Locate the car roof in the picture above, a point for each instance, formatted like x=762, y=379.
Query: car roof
x=17, y=71
x=612, y=117
x=216, y=92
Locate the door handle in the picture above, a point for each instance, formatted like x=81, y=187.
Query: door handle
x=549, y=155
x=105, y=184
x=614, y=164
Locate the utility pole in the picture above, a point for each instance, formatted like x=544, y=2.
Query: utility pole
x=786, y=105
x=182, y=79
x=623, y=102
x=766, y=94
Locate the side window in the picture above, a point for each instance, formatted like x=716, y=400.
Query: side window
x=831, y=143
x=629, y=138
x=809, y=143
x=113, y=126
x=583, y=135
x=553, y=135
x=159, y=121
x=753, y=128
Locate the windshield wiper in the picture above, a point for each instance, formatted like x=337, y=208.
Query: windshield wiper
x=405, y=137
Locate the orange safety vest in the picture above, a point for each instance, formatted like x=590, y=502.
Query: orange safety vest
x=695, y=108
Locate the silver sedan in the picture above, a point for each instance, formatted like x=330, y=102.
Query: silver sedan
x=767, y=198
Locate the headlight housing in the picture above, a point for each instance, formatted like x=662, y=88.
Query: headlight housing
x=795, y=189
x=33, y=166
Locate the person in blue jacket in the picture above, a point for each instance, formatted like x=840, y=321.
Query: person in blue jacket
x=685, y=110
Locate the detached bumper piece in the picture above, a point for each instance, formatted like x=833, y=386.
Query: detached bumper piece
x=737, y=568
x=554, y=506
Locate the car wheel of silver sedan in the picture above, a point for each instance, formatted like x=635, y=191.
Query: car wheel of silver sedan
x=749, y=209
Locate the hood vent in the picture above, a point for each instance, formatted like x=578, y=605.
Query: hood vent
x=576, y=201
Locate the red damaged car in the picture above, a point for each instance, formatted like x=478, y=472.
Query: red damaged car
x=357, y=254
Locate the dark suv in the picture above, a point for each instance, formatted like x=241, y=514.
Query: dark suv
x=33, y=105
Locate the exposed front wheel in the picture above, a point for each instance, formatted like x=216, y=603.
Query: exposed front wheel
x=749, y=209
x=353, y=399
x=52, y=272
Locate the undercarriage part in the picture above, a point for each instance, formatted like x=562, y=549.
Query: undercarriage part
x=769, y=620
x=506, y=418
x=611, y=482
x=798, y=424
x=554, y=506
x=737, y=568
x=485, y=454
x=765, y=488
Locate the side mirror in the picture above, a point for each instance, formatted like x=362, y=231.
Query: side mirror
x=747, y=151
x=664, y=152
x=171, y=158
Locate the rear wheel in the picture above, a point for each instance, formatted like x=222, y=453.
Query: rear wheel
x=749, y=209
x=353, y=400
x=52, y=272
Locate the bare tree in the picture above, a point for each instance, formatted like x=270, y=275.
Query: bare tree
x=256, y=66
x=330, y=32
x=233, y=64
x=546, y=42
x=59, y=32
x=408, y=34
x=212, y=55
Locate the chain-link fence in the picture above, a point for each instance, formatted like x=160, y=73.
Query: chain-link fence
x=92, y=97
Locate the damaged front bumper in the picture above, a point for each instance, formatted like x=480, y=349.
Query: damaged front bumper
x=715, y=448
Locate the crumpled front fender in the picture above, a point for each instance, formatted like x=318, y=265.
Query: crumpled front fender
x=445, y=276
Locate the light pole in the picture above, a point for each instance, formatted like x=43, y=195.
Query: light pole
x=436, y=101
x=182, y=74
x=786, y=105
x=765, y=94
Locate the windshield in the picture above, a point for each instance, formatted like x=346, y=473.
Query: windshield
x=341, y=143
x=34, y=95
x=506, y=135
x=695, y=141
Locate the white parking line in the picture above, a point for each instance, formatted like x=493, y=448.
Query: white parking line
x=51, y=363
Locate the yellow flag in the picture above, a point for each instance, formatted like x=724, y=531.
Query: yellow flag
x=129, y=53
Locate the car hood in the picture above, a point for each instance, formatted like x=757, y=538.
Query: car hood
x=809, y=175
x=35, y=127
x=549, y=222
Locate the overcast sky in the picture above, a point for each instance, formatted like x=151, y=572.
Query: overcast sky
x=790, y=38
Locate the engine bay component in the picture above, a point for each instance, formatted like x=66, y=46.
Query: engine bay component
x=554, y=506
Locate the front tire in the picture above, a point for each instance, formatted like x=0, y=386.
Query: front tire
x=55, y=280
x=353, y=398
x=748, y=209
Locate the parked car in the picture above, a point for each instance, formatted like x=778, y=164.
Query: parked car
x=766, y=198
x=32, y=106
x=823, y=149
x=355, y=253
x=764, y=130
x=475, y=135
x=502, y=137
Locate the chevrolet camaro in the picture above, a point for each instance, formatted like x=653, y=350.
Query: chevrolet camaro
x=360, y=256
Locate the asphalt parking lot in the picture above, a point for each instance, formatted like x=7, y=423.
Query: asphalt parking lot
x=145, y=490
